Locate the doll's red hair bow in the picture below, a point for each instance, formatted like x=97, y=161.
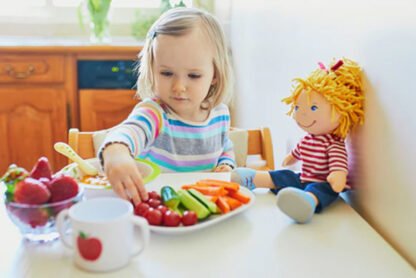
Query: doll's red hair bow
x=333, y=68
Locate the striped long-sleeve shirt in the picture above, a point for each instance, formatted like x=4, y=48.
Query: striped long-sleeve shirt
x=153, y=132
x=321, y=155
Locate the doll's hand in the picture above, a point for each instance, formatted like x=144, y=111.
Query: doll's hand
x=337, y=180
x=289, y=160
x=123, y=173
x=223, y=168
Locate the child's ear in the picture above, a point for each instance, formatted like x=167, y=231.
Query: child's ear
x=214, y=79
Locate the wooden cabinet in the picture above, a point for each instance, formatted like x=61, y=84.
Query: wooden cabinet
x=40, y=100
x=33, y=108
x=102, y=109
x=31, y=121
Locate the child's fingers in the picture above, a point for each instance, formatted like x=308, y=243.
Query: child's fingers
x=139, y=185
x=219, y=168
x=119, y=189
x=132, y=190
x=223, y=168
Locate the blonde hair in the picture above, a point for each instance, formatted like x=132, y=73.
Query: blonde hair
x=341, y=86
x=179, y=22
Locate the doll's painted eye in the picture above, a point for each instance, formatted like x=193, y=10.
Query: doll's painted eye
x=296, y=108
x=314, y=107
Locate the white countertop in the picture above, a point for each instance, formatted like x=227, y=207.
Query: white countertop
x=260, y=242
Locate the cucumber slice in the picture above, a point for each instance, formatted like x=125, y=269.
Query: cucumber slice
x=193, y=204
x=204, y=200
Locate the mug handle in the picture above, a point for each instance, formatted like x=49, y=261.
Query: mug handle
x=144, y=226
x=61, y=221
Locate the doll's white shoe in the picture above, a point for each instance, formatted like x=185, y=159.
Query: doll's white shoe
x=296, y=203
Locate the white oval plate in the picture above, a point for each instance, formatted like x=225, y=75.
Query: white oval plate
x=191, y=178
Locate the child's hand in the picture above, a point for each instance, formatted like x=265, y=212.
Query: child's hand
x=337, y=180
x=223, y=168
x=123, y=173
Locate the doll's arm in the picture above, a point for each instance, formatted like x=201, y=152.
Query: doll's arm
x=289, y=160
x=337, y=180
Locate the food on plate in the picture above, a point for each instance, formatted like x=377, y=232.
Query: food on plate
x=192, y=203
x=211, y=206
x=189, y=218
x=154, y=195
x=170, y=198
x=98, y=180
x=141, y=209
x=226, y=195
x=154, y=203
x=154, y=216
x=171, y=218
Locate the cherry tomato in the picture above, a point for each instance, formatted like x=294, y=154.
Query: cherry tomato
x=154, y=217
x=162, y=208
x=189, y=218
x=154, y=195
x=154, y=203
x=141, y=209
x=171, y=219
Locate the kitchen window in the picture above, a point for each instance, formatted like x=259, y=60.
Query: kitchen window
x=59, y=18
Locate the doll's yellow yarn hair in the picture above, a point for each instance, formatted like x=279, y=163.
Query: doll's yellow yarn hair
x=341, y=87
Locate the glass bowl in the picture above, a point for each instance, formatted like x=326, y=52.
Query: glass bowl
x=36, y=223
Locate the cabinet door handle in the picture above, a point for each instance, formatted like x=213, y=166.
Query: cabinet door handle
x=20, y=74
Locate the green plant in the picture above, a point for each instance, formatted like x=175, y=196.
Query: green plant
x=143, y=21
x=97, y=13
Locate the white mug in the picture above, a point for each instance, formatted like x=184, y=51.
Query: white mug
x=102, y=232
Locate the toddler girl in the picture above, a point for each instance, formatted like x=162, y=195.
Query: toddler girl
x=327, y=105
x=181, y=124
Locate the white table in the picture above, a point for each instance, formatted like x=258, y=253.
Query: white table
x=260, y=242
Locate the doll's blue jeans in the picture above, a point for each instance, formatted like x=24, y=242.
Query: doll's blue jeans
x=322, y=190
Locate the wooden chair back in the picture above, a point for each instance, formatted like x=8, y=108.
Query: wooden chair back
x=259, y=143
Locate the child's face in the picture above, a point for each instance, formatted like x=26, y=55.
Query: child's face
x=313, y=114
x=183, y=72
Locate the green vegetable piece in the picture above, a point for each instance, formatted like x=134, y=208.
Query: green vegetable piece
x=204, y=200
x=13, y=175
x=193, y=204
x=169, y=197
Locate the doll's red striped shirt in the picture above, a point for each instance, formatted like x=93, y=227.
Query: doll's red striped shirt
x=321, y=155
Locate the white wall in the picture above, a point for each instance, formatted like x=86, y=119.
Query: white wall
x=275, y=41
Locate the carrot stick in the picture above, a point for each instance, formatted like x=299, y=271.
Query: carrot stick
x=233, y=203
x=207, y=190
x=223, y=205
x=230, y=186
x=239, y=196
x=213, y=198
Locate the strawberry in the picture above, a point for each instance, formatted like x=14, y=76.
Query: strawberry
x=35, y=217
x=63, y=187
x=45, y=181
x=31, y=191
x=41, y=169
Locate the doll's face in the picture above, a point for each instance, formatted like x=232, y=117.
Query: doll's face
x=313, y=114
